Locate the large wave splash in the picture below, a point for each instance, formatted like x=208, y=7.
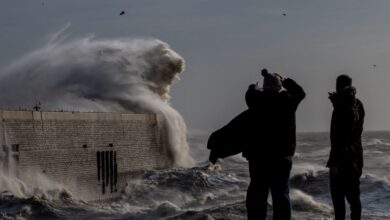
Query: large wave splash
x=88, y=74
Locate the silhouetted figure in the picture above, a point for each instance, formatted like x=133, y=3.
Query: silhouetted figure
x=273, y=144
x=346, y=156
x=122, y=13
x=265, y=134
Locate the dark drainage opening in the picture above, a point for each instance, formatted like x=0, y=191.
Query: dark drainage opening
x=107, y=170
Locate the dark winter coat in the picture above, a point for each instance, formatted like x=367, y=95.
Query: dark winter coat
x=346, y=131
x=273, y=129
x=232, y=138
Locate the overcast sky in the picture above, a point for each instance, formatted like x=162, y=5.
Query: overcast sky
x=225, y=44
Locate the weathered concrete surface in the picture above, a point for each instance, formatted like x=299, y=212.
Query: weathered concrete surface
x=93, y=154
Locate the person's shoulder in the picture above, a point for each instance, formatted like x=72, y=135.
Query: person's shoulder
x=359, y=102
x=360, y=105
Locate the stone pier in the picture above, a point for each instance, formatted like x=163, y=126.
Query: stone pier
x=92, y=154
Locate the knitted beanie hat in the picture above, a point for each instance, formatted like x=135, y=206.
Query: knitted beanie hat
x=271, y=81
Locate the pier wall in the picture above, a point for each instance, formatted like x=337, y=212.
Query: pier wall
x=93, y=154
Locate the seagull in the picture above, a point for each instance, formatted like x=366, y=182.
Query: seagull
x=122, y=13
x=284, y=14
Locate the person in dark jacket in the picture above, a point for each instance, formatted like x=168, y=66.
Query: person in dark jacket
x=346, y=155
x=273, y=144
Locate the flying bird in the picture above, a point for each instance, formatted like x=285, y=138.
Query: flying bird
x=122, y=13
x=284, y=13
x=374, y=65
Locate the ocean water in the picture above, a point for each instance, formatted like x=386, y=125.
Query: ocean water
x=211, y=192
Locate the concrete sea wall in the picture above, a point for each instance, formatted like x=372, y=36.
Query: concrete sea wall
x=93, y=154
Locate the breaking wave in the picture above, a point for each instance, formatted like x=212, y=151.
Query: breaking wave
x=189, y=188
x=18, y=198
x=305, y=202
x=376, y=142
x=89, y=74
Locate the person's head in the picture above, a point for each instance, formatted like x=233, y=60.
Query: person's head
x=343, y=81
x=271, y=81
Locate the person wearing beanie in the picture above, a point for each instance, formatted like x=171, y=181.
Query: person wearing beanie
x=271, y=82
x=346, y=155
x=272, y=146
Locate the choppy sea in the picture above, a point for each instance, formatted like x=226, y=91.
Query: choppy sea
x=211, y=192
